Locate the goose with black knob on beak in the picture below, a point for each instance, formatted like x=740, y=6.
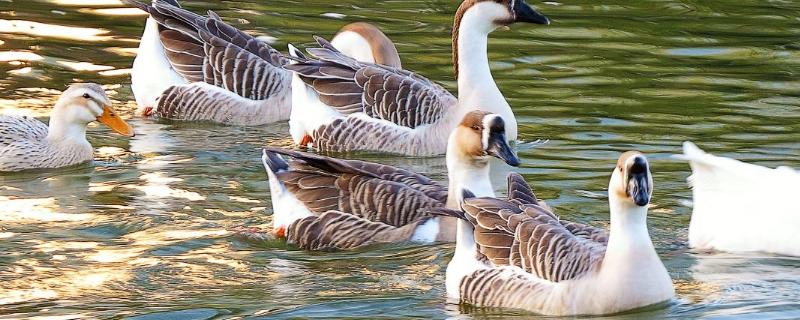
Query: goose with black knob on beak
x=742, y=207
x=341, y=104
x=191, y=67
x=27, y=143
x=324, y=203
x=515, y=253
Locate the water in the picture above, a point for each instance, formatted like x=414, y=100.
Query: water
x=148, y=230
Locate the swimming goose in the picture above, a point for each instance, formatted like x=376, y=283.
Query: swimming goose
x=516, y=254
x=190, y=67
x=349, y=105
x=27, y=143
x=742, y=207
x=322, y=203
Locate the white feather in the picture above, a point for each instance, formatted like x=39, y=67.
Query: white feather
x=742, y=207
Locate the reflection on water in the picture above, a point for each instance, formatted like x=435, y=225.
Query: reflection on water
x=150, y=228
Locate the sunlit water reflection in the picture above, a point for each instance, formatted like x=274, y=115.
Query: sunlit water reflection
x=149, y=229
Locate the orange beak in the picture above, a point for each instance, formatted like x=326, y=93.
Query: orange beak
x=113, y=121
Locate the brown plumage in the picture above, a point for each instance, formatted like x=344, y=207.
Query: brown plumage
x=383, y=50
x=519, y=232
x=352, y=203
x=335, y=230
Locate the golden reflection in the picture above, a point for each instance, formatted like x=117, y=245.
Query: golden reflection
x=115, y=12
x=38, y=29
x=6, y=235
x=6, y=56
x=38, y=209
x=115, y=72
x=21, y=71
x=84, y=66
x=157, y=186
x=87, y=2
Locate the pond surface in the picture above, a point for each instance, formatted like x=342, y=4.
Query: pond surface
x=149, y=229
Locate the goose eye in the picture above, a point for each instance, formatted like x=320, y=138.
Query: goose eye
x=476, y=128
x=86, y=95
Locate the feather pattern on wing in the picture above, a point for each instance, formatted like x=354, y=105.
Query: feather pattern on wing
x=398, y=96
x=335, y=230
x=372, y=191
x=205, y=49
x=531, y=237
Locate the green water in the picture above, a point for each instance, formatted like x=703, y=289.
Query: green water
x=148, y=229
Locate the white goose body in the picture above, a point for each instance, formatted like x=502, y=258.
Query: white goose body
x=387, y=109
x=26, y=143
x=323, y=203
x=151, y=73
x=515, y=253
x=741, y=207
x=195, y=68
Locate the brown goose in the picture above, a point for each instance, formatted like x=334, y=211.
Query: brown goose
x=349, y=105
x=190, y=67
x=27, y=143
x=515, y=253
x=327, y=203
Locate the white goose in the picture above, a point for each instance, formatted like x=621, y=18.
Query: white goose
x=341, y=104
x=517, y=254
x=742, y=207
x=326, y=203
x=190, y=67
x=27, y=143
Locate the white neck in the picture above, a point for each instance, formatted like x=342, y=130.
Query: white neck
x=629, y=243
x=62, y=130
x=476, y=86
x=464, y=173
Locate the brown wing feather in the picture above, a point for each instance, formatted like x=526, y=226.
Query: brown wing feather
x=531, y=238
x=334, y=230
x=381, y=92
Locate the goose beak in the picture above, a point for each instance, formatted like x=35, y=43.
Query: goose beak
x=113, y=121
x=639, y=184
x=499, y=148
x=524, y=13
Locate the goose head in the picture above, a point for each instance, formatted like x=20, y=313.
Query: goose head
x=631, y=181
x=365, y=42
x=488, y=15
x=83, y=103
x=480, y=135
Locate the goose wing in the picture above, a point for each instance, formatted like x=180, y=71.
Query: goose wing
x=530, y=237
x=205, y=49
x=349, y=86
x=521, y=193
x=335, y=230
x=372, y=191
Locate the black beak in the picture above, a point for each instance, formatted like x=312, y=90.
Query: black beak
x=524, y=13
x=499, y=148
x=639, y=188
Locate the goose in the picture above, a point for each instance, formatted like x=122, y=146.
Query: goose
x=324, y=203
x=514, y=253
x=190, y=67
x=27, y=143
x=742, y=207
x=347, y=105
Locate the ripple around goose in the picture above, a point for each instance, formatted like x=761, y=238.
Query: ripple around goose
x=322, y=203
x=27, y=143
x=348, y=105
x=190, y=67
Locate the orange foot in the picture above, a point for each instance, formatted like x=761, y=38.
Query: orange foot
x=306, y=140
x=148, y=111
